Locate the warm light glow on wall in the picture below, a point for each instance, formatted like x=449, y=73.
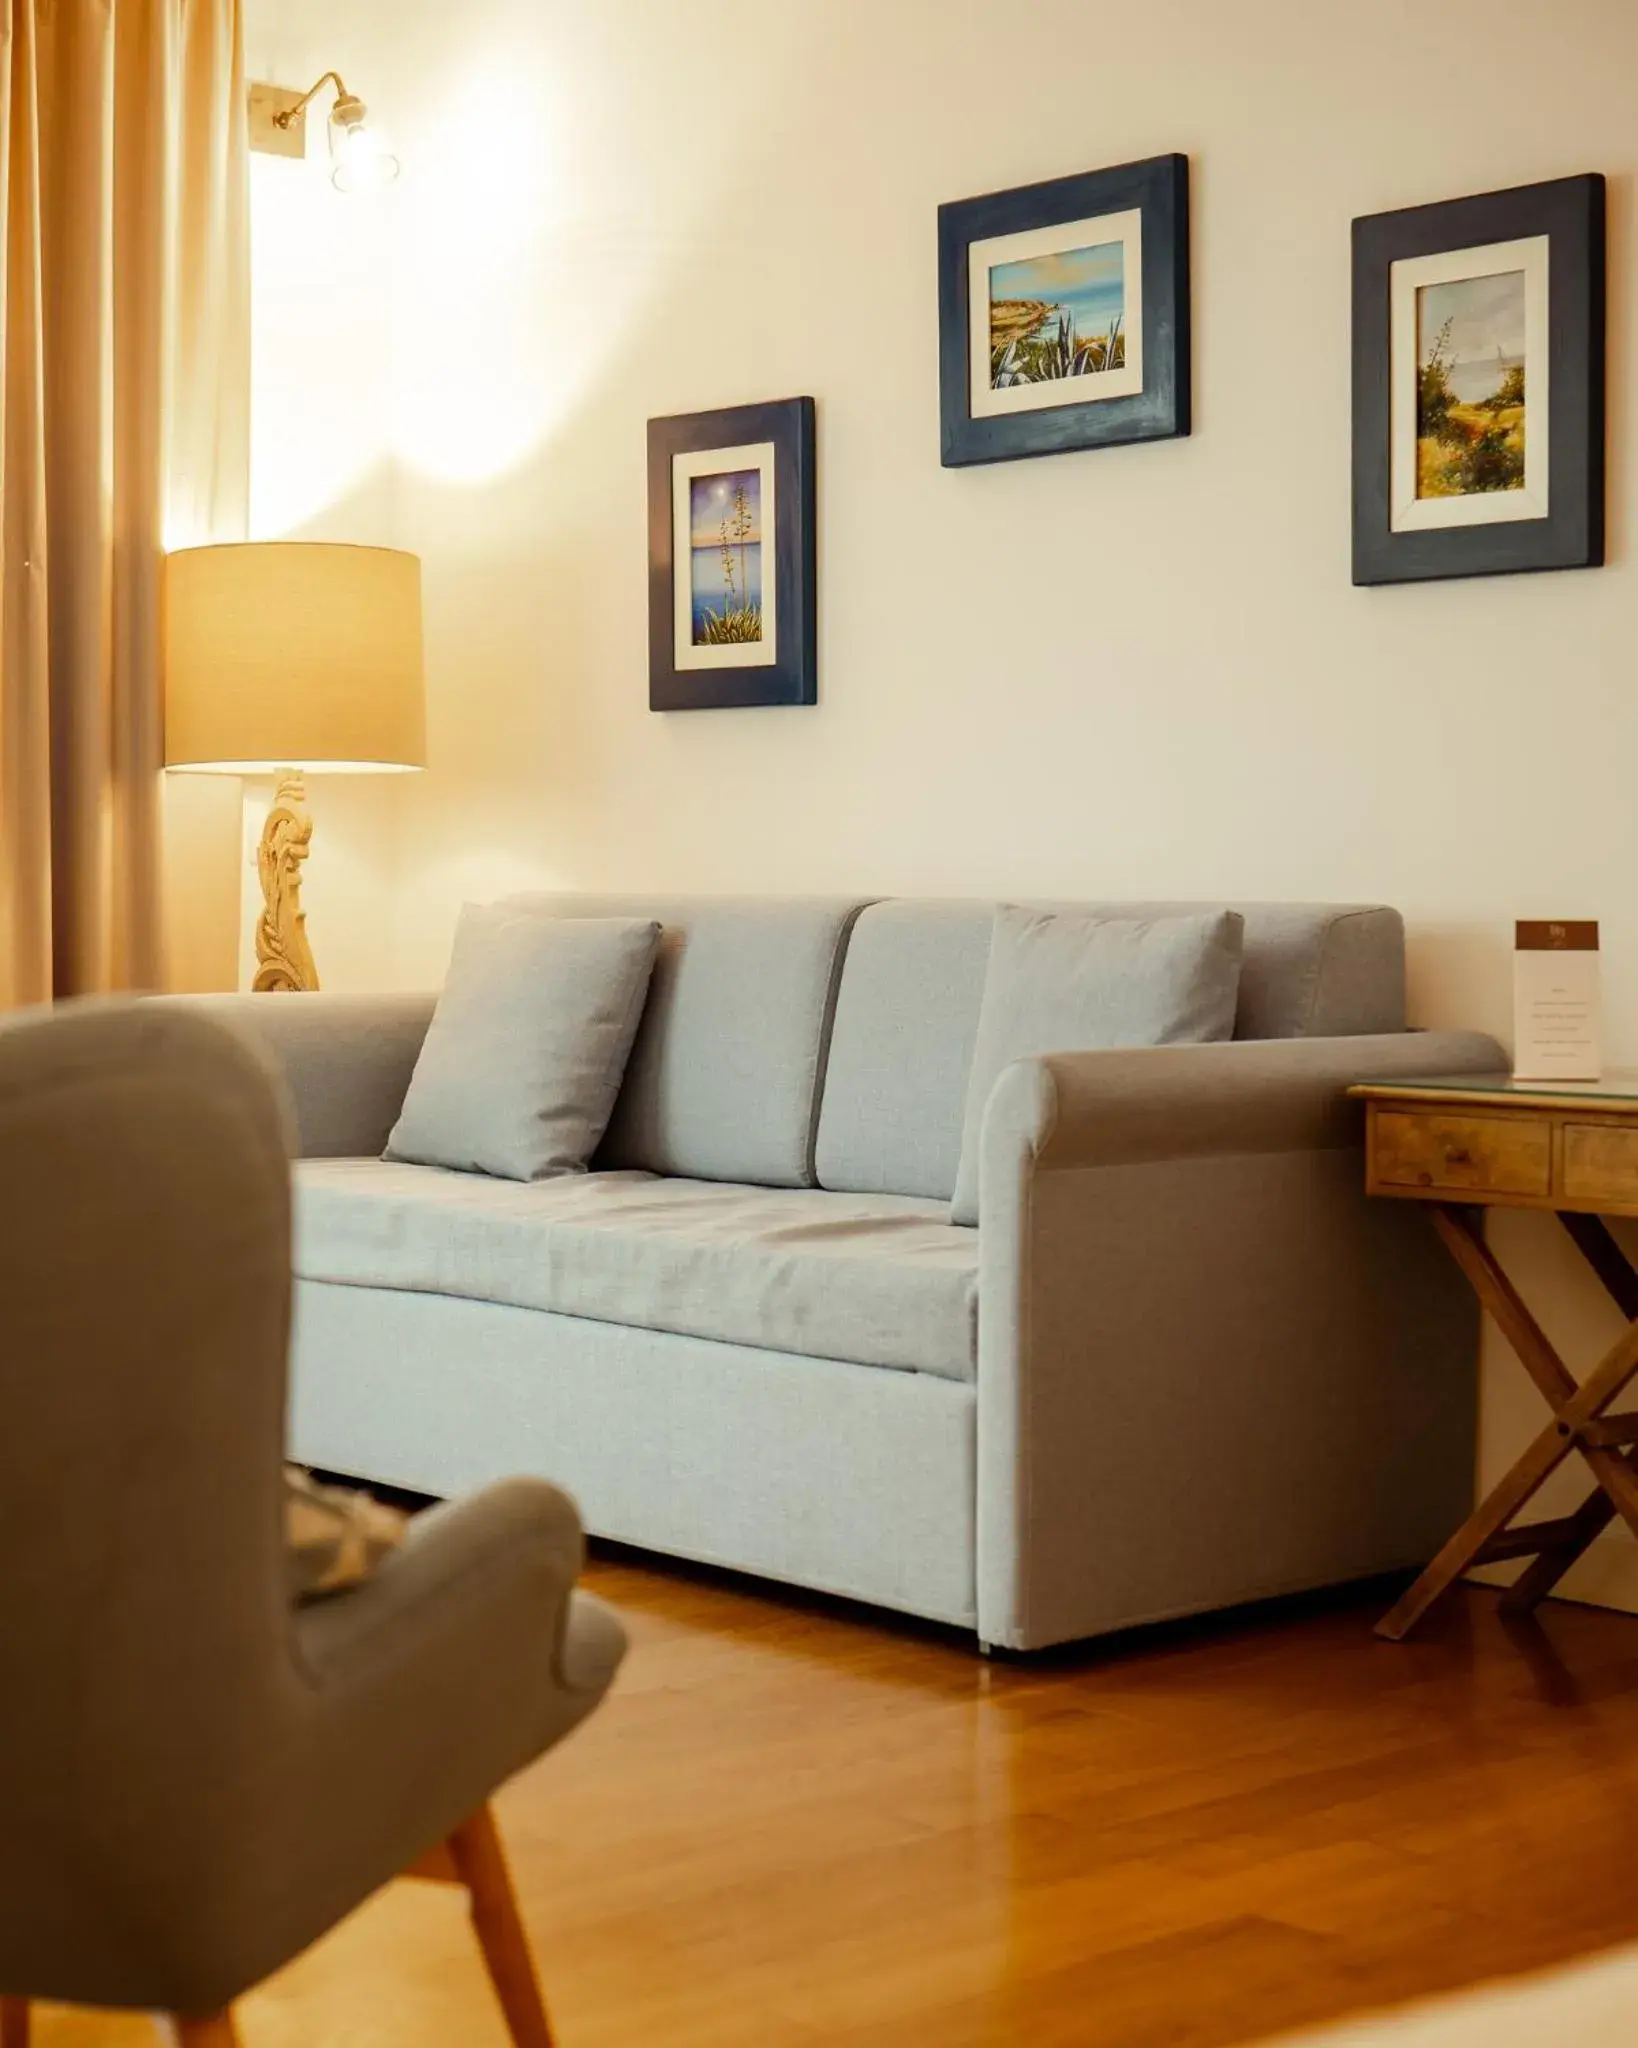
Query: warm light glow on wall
x=505, y=309
x=470, y=393
x=456, y=319
x=321, y=326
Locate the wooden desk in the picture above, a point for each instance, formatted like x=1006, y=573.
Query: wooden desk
x=1475, y=1142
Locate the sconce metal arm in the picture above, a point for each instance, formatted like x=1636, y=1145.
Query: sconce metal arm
x=287, y=115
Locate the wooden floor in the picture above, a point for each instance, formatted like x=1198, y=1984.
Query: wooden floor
x=794, y=1823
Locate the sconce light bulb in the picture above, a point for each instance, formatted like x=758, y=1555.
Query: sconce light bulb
x=362, y=162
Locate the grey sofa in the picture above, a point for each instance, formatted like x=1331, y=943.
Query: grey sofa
x=1180, y=1363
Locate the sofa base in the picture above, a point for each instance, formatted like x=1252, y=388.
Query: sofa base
x=848, y=1479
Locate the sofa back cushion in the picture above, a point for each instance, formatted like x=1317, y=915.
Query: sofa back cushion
x=723, y=1081
x=1077, y=981
x=907, y=1018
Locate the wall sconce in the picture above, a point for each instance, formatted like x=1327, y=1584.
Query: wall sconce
x=360, y=160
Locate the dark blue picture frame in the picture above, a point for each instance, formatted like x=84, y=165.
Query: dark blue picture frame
x=1158, y=185
x=1571, y=213
x=794, y=678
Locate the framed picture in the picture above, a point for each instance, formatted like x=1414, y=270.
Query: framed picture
x=731, y=558
x=1063, y=313
x=1479, y=385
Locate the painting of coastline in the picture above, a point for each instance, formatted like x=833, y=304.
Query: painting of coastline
x=725, y=536
x=1057, y=315
x=1470, y=386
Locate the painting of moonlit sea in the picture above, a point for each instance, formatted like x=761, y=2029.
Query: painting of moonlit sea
x=725, y=534
x=1058, y=315
x=1470, y=386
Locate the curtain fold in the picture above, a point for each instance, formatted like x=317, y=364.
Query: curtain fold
x=124, y=343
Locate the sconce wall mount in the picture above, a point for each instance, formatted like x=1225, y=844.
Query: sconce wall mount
x=271, y=136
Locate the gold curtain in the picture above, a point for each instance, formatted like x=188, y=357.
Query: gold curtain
x=124, y=341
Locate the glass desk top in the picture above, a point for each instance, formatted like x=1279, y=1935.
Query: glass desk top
x=1619, y=1086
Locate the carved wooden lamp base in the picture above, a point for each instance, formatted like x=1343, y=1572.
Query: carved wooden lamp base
x=284, y=960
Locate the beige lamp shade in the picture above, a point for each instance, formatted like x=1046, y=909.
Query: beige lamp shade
x=293, y=654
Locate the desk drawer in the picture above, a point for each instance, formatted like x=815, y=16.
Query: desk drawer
x=1466, y=1154
x=1600, y=1164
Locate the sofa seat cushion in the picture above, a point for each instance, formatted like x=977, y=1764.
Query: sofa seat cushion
x=868, y=1279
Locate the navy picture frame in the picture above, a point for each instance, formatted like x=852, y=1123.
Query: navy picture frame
x=1571, y=213
x=793, y=678
x=1161, y=410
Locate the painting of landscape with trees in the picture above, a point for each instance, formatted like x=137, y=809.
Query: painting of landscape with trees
x=1470, y=386
x=1478, y=345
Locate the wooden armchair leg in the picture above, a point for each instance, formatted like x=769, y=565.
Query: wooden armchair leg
x=219, y=2031
x=480, y=1864
x=14, y=2029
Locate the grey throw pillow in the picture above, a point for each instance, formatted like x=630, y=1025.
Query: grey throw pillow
x=1075, y=981
x=523, y=1058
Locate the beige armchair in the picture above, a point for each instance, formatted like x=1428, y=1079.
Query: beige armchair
x=197, y=1780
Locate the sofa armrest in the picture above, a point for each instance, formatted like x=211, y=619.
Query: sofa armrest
x=1209, y=1368
x=1188, y=1101
x=345, y=1060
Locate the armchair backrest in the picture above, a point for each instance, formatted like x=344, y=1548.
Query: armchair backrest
x=145, y=1634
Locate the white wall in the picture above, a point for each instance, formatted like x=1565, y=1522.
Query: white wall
x=1140, y=669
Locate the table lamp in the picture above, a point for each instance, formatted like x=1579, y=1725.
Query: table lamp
x=292, y=658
